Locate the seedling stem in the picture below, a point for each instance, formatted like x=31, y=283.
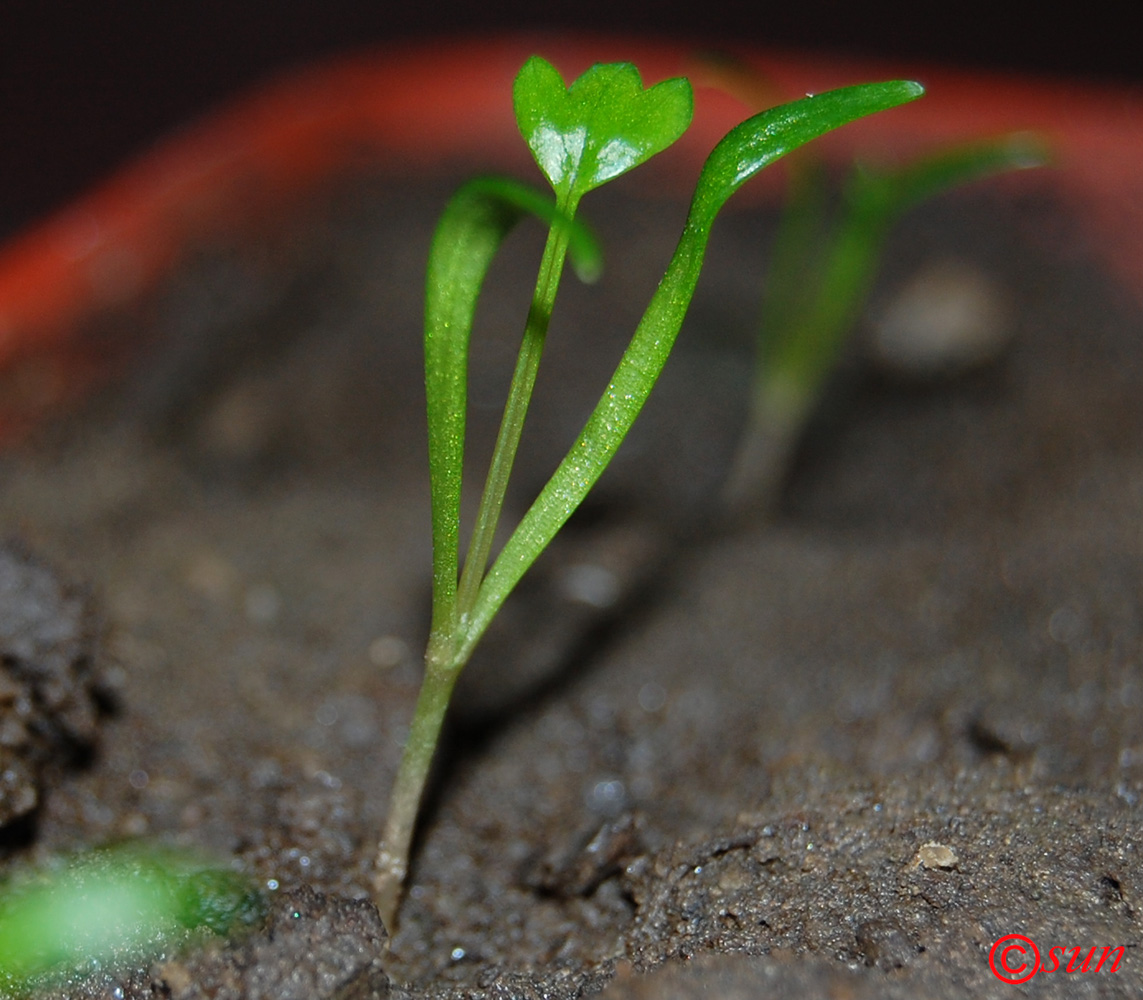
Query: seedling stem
x=581, y=136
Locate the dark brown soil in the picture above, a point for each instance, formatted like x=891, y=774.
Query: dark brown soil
x=51, y=691
x=836, y=754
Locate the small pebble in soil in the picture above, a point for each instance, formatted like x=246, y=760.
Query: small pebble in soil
x=652, y=697
x=934, y=855
x=607, y=797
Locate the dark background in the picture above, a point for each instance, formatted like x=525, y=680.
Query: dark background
x=82, y=87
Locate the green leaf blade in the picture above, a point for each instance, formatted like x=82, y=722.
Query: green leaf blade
x=473, y=226
x=745, y=151
x=892, y=191
x=768, y=136
x=602, y=125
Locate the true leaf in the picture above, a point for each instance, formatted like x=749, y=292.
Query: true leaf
x=601, y=126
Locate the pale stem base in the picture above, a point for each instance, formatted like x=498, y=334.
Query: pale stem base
x=778, y=414
x=391, y=865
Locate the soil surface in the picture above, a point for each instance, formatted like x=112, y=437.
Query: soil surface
x=837, y=752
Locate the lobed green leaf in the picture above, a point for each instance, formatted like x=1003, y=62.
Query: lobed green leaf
x=601, y=126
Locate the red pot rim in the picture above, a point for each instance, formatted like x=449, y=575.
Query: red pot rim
x=450, y=100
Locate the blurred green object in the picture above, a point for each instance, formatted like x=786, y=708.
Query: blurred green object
x=112, y=908
x=823, y=267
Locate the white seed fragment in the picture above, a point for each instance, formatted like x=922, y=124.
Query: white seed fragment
x=934, y=855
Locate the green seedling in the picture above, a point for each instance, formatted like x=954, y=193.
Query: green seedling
x=113, y=909
x=818, y=282
x=581, y=136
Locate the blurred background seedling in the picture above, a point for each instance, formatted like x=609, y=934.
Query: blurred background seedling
x=826, y=256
